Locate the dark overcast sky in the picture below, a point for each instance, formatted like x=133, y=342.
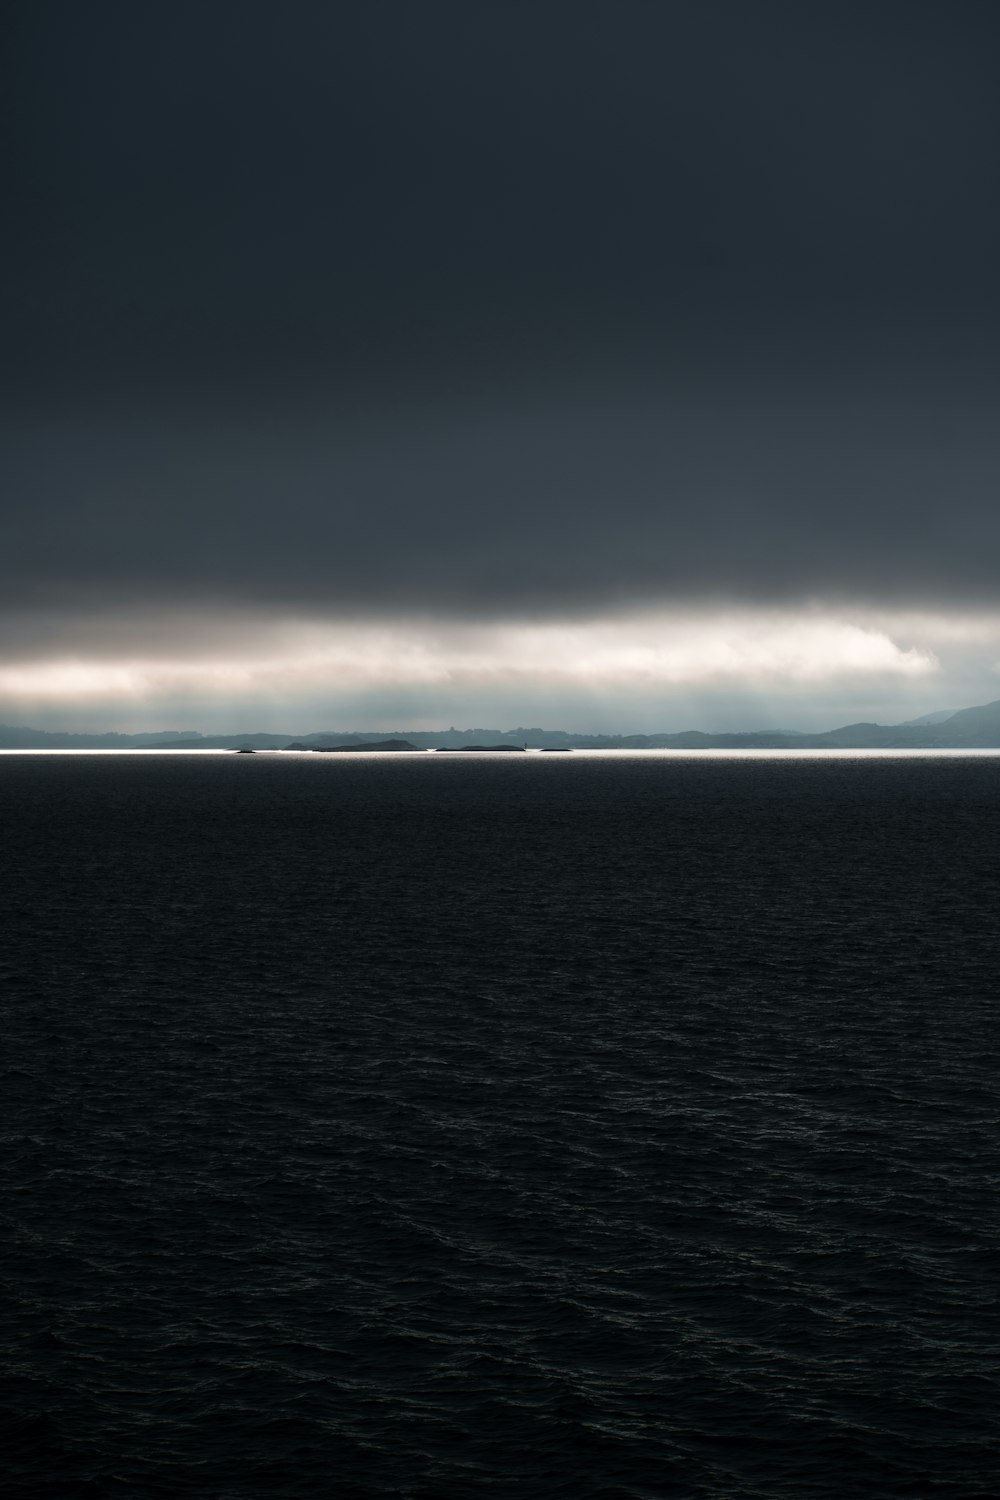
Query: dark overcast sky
x=500, y=307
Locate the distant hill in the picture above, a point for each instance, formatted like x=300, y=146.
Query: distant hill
x=937, y=718
x=975, y=726
x=968, y=728
x=20, y=738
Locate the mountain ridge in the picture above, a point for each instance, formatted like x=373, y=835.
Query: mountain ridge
x=977, y=727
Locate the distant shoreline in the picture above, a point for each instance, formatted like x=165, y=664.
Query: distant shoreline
x=804, y=752
x=975, y=728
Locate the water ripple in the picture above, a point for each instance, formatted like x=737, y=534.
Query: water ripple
x=585, y=1129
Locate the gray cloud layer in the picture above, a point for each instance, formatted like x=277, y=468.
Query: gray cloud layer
x=499, y=311
x=543, y=506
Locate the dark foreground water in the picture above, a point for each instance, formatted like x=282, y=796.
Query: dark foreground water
x=527, y=1126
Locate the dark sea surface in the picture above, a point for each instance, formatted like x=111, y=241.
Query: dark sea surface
x=454, y=1126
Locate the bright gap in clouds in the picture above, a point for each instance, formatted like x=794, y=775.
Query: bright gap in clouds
x=289, y=660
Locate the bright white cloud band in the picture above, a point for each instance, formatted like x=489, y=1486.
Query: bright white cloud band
x=284, y=660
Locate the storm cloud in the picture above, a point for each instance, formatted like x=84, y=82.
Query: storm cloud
x=478, y=325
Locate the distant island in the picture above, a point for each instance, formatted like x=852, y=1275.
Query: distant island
x=354, y=746
x=488, y=749
x=966, y=729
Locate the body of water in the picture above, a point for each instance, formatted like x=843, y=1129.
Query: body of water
x=578, y=1126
